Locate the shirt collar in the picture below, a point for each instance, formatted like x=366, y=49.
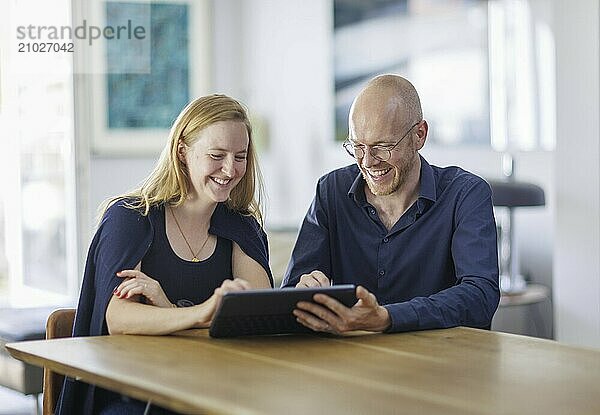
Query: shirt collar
x=357, y=190
x=426, y=185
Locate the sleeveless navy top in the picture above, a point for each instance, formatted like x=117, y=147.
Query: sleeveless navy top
x=185, y=282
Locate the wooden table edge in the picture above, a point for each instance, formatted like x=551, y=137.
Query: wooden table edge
x=209, y=406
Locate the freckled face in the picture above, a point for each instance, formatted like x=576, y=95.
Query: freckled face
x=217, y=160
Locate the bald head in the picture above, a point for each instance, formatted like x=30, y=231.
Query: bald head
x=388, y=103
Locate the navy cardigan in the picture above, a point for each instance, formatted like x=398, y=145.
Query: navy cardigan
x=121, y=241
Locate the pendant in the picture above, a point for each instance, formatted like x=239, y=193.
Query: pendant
x=194, y=259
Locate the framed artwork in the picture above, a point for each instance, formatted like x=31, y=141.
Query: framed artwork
x=139, y=88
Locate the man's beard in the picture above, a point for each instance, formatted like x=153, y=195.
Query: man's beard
x=400, y=177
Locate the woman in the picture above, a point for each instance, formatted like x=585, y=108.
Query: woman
x=164, y=254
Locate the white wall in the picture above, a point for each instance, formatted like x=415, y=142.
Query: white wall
x=577, y=178
x=287, y=81
x=113, y=176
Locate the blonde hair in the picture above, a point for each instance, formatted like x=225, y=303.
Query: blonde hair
x=169, y=181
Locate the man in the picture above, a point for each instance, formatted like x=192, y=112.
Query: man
x=419, y=241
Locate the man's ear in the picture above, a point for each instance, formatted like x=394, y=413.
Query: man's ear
x=422, y=134
x=181, y=151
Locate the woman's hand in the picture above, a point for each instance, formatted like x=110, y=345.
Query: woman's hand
x=138, y=283
x=313, y=280
x=212, y=304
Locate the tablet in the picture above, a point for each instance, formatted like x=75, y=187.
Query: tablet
x=260, y=312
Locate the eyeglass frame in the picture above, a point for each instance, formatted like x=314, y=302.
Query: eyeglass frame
x=351, y=151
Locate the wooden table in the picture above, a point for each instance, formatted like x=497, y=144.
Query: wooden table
x=453, y=371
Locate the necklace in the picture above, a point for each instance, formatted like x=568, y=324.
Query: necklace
x=194, y=255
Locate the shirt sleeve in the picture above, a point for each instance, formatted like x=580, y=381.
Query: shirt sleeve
x=474, y=299
x=311, y=251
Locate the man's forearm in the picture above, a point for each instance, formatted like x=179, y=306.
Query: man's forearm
x=471, y=303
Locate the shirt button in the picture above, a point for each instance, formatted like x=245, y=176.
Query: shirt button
x=372, y=211
x=382, y=272
x=386, y=240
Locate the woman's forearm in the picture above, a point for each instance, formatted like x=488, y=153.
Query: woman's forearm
x=130, y=317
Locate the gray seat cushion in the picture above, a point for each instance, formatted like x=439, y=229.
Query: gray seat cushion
x=19, y=324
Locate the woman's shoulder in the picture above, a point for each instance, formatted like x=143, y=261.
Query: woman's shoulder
x=122, y=209
x=228, y=220
x=245, y=231
x=125, y=213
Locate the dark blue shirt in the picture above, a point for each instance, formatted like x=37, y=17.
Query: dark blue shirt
x=438, y=265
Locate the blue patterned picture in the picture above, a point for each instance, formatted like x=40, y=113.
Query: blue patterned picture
x=149, y=100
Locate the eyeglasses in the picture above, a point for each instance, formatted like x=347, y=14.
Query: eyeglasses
x=382, y=153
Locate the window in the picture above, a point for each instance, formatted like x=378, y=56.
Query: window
x=484, y=69
x=441, y=47
x=38, y=257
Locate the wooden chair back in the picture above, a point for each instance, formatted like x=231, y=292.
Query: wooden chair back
x=59, y=325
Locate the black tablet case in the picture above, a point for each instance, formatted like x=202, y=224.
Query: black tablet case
x=260, y=312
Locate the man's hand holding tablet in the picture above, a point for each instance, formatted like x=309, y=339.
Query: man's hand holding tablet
x=326, y=314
